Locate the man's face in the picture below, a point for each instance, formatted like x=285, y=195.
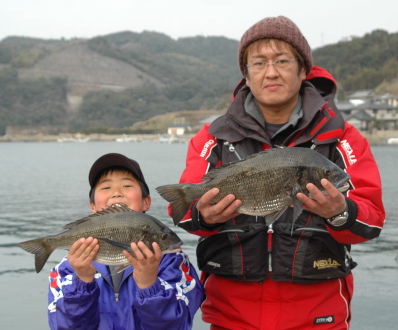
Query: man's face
x=119, y=187
x=275, y=89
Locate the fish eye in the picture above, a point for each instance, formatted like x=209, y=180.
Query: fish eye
x=163, y=237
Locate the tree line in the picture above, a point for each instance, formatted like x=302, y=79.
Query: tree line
x=195, y=73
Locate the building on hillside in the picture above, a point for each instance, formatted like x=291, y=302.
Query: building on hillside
x=388, y=98
x=178, y=130
x=361, y=96
x=371, y=114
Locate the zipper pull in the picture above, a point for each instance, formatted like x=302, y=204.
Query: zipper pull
x=231, y=148
x=117, y=296
x=270, y=231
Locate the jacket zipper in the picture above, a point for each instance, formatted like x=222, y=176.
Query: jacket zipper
x=115, y=290
x=232, y=148
x=318, y=230
x=270, y=231
x=116, y=294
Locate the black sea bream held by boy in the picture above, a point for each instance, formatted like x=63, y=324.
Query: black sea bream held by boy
x=114, y=228
x=117, y=274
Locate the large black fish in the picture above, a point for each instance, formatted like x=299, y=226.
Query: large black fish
x=115, y=228
x=266, y=182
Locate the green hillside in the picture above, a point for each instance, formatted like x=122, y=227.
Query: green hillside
x=361, y=63
x=117, y=80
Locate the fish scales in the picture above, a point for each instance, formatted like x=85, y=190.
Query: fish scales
x=115, y=229
x=266, y=182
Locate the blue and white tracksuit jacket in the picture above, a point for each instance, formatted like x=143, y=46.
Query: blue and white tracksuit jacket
x=170, y=303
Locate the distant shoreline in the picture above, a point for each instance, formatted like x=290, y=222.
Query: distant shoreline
x=374, y=138
x=82, y=138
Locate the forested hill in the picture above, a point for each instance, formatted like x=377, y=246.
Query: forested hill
x=119, y=79
x=369, y=62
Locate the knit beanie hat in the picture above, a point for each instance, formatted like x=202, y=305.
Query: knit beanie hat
x=276, y=28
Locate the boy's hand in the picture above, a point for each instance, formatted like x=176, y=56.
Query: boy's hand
x=146, y=263
x=81, y=255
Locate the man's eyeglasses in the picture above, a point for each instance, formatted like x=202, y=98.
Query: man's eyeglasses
x=280, y=64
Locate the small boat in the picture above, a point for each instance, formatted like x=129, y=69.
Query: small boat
x=126, y=138
x=169, y=139
x=393, y=140
x=73, y=139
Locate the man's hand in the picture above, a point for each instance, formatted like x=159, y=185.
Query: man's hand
x=325, y=204
x=81, y=255
x=220, y=212
x=145, y=262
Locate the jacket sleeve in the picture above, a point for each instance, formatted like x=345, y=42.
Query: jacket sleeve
x=198, y=163
x=73, y=304
x=365, y=199
x=174, y=298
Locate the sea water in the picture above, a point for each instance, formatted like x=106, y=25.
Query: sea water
x=43, y=186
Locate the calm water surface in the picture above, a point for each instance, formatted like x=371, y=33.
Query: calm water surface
x=43, y=186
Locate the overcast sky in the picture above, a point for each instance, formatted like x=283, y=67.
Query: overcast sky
x=322, y=22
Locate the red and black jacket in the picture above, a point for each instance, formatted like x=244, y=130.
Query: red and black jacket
x=244, y=248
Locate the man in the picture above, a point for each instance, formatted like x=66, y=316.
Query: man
x=276, y=277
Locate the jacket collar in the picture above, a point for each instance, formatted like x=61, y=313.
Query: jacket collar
x=103, y=270
x=321, y=122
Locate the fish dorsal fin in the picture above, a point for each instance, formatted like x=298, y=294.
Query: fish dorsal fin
x=109, y=210
x=78, y=222
x=213, y=173
x=113, y=209
x=242, y=164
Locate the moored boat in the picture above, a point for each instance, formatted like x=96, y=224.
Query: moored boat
x=393, y=140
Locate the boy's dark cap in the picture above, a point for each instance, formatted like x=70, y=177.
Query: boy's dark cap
x=117, y=160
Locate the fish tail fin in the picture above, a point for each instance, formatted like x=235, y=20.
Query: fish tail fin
x=180, y=196
x=40, y=249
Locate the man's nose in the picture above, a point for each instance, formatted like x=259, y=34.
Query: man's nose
x=271, y=70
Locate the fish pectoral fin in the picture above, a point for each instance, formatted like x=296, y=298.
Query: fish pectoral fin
x=122, y=246
x=297, y=210
x=271, y=218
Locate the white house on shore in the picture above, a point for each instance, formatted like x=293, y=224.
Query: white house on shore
x=178, y=130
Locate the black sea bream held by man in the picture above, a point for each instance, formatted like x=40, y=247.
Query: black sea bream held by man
x=296, y=272
x=266, y=183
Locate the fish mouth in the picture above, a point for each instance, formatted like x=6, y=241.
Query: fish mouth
x=343, y=187
x=173, y=248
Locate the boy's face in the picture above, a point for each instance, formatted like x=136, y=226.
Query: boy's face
x=119, y=187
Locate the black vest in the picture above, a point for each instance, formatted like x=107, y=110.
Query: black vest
x=245, y=248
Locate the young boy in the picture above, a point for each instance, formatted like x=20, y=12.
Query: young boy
x=155, y=292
